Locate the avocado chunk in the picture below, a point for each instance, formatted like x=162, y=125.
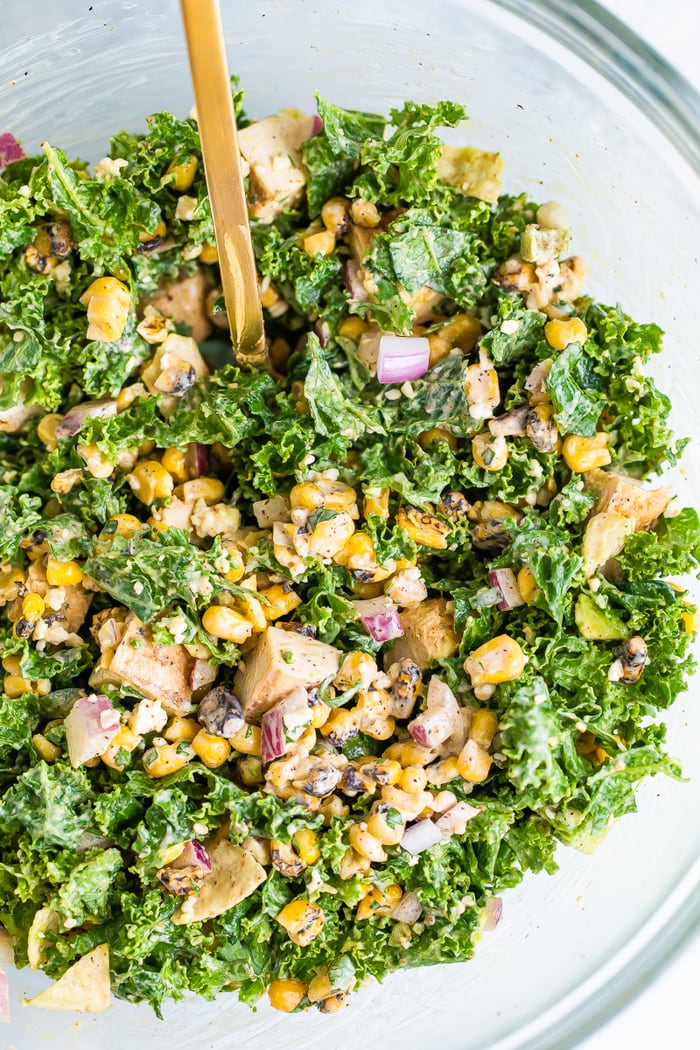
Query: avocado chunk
x=596, y=624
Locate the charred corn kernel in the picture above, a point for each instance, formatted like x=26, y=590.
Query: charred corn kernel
x=490, y=452
x=376, y=903
x=352, y=328
x=15, y=685
x=66, y=480
x=385, y=824
x=527, y=585
x=306, y=845
x=338, y=496
x=254, y=611
x=211, y=490
x=302, y=920
x=182, y=171
x=63, y=573
x=355, y=667
x=437, y=435
x=227, y=624
x=482, y=390
x=12, y=664
x=559, y=334
x=179, y=729
x=161, y=761
x=691, y=620
x=483, y=728
x=342, y=726
x=438, y=347
x=247, y=741
x=269, y=296
x=334, y=1002
x=423, y=527
x=584, y=453
x=150, y=481
x=306, y=496
x=499, y=660
x=378, y=727
x=334, y=214
x=96, y=463
x=46, y=431
x=285, y=994
x=11, y=582
x=208, y=254
x=125, y=740
x=321, y=243
x=175, y=462
x=33, y=607
x=365, y=213
x=281, y=600
x=128, y=394
x=212, y=750
x=358, y=552
x=250, y=770
x=329, y=537
x=376, y=501
x=413, y=779
x=149, y=235
x=320, y=712
x=45, y=749
x=462, y=331
x=409, y=754
x=443, y=772
x=473, y=763
x=236, y=562
x=364, y=843
x=127, y=524
x=320, y=987
x=353, y=864
x=107, y=301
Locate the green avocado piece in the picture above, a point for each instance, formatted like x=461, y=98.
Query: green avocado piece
x=596, y=624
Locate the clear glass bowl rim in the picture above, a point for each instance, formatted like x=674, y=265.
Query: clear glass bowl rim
x=646, y=79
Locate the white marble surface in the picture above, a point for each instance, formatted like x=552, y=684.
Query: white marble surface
x=665, y=1015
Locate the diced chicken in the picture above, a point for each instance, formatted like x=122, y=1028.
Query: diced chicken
x=603, y=539
x=272, y=148
x=234, y=875
x=13, y=419
x=184, y=301
x=268, y=511
x=627, y=497
x=454, y=820
x=149, y=716
x=158, y=672
x=422, y=302
x=475, y=172
x=428, y=633
x=177, y=514
x=280, y=662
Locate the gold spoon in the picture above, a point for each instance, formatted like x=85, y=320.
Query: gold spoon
x=222, y=168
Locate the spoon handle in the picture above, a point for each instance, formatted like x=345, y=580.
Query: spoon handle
x=222, y=168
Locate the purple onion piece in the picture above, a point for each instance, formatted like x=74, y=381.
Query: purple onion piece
x=353, y=283
x=322, y=330
x=273, y=742
x=194, y=854
x=4, y=998
x=72, y=422
x=381, y=618
x=316, y=125
x=197, y=460
x=10, y=149
x=402, y=358
x=421, y=836
x=491, y=915
x=504, y=580
x=419, y=733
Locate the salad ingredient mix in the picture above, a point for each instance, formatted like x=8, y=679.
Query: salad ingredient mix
x=303, y=669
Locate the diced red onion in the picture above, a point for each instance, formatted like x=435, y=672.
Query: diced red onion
x=10, y=149
x=91, y=725
x=273, y=742
x=381, y=618
x=201, y=675
x=421, y=836
x=316, y=125
x=4, y=998
x=109, y=633
x=491, y=915
x=534, y=384
x=323, y=331
x=402, y=358
x=431, y=727
x=408, y=910
x=197, y=460
x=505, y=581
x=353, y=282
x=194, y=853
x=455, y=819
x=72, y=422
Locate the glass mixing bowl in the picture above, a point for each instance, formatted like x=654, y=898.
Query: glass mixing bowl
x=583, y=113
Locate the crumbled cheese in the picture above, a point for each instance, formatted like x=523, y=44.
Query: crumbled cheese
x=61, y=276
x=186, y=208
x=219, y=520
x=109, y=168
x=149, y=716
x=510, y=326
x=55, y=597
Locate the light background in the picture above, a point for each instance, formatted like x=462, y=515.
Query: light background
x=666, y=1015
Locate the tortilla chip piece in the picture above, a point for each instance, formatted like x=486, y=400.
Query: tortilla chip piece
x=45, y=921
x=85, y=987
x=234, y=875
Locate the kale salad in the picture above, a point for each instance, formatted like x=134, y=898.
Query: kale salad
x=303, y=668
